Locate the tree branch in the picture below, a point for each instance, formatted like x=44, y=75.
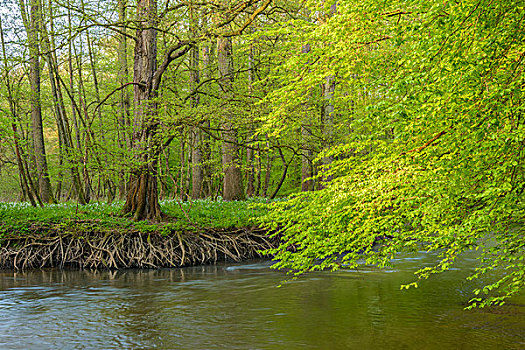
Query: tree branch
x=428, y=143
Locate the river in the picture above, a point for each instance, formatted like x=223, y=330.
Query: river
x=239, y=306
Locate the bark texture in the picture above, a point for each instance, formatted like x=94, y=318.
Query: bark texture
x=250, y=154
x=142, y=200
x=233, y=188
x=197, y=174
x=124, y=98
x=32, y=24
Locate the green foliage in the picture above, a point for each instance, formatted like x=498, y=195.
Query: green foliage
x=432, y=94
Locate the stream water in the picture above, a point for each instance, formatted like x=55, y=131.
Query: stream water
x=238, y=306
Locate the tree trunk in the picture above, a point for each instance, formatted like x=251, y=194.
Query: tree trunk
x=142, y=200
x=328, y=119
x=306, y=159
x=250, y=176
x=60, y=110
x=258, y=171
x=233, y=188
x=269, y=163
x=197, y=174
x=328, y=126
x=182, y=187
x=26, y=192
x=32, y=24
x=124, y=99
x=205, y=140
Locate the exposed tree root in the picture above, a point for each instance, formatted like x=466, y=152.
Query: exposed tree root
x=131, y=249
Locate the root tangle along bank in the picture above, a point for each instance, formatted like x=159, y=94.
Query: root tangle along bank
x=110, y=250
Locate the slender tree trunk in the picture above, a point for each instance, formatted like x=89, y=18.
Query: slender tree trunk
x=26, y=192
x=328, y=126
x=197, y=174
x=182, y=188
x=258, y=171
x=205, y=140
x=307, y=153
x=328, y=89
x=285, y=171
x=75, y=155
x=32, y=24
x=269, y=163
x=104, y=178
x=72, y=81
x=86, y=123
x=66, y=144
x=233, y=188
x=250, y=176
x=124, y=99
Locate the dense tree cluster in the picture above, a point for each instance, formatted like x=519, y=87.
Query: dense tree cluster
x=136, y=100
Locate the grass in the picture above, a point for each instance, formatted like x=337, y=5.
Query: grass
x=182, y=216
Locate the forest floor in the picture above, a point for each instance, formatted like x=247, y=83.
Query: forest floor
x=98, y=236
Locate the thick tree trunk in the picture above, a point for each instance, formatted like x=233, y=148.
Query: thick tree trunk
x=233, y=188
x=142, y=200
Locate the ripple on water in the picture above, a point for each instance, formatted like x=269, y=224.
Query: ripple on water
x=239, y=306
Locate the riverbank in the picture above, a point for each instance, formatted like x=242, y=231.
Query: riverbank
x=96, y=236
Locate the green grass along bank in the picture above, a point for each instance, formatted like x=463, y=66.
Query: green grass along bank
x=96, y=236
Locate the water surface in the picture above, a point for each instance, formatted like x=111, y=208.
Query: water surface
x=238, y=306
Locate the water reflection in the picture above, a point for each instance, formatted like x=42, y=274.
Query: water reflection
x=239, y=307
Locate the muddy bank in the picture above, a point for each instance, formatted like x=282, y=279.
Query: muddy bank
x=52, y=246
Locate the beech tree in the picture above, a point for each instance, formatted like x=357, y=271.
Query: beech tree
x=431, y=96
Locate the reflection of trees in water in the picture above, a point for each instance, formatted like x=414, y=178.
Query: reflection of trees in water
x=368, y=310
x=203, y=306
x=136, y=277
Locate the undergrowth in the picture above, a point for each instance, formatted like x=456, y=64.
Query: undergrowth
x=19, y=218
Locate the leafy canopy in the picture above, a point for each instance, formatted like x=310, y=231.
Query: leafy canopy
x=429, y=99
